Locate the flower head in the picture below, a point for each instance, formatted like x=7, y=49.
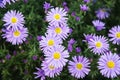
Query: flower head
x=98, y=45
x=57, y=56
x=79, y=67
x=109, y=65
x=40, y=74
x=102, y=13
x=56, y=16
x=84, y=7
x=4, y=2
x=50, y=70
x=98, y=25
x=114, y=35
x=88, y=37
x=49, y=40
x=61, y=31
x=13, y=19
x=15, y=36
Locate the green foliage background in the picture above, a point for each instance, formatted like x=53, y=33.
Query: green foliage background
x=17, y=69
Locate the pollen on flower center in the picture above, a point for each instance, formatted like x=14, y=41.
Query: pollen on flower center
x=110, y=64
x=98, y=44
x=118, y=34
x=79, y=66
x=16, y=33
x=51, y=67
x=56, y=55
x=57, y=16
x=58, y=30
x=13, y=19
x=50, y=42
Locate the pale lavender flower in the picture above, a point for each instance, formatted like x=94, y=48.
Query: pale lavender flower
x=109, y=65
x=57, y=16
x=46, y=6
x=71, y=41
x=102, y=13
x=15, y=37
x=57, y=56
x=50, y=70
x=61, y=31
x=70, y=48
x=88, y=37
x=98, y=45
x=40, y=74
x=13, y=19
x=49, y=40
x=79, y=66
x=4, y=2
x=114, y=35
x=84, y=7
x=99, y=25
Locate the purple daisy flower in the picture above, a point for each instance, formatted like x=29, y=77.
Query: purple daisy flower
x=13, y=19
x=50, y=70
x=88, y=37
x=57, y=56
x=109, y=65
x=99, y=45
x=99, y=25
x=15, y=37
x=114, y=33
x=46, y=6
x=56, y=16
x=60, y=31
x=84, y=7
x=40, y=74
x=79, y=67
x=102, y=13
x=49, y=40
x=4, y=2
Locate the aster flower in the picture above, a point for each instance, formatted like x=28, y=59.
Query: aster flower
x=99, y=45
x=13, y=19
x=114, y=35
x=57, y=56
x=99, y=25
x=15, y=37
x=70, y=48
x=79, y=67
x=50, y=70
x=109, y=65
x=49, y=40
x=71, y=41
x=78, y=49
x=46, y=6
x=60, y=31
x=56, y=16
x=4, y=2
x=84, y=7
x=102, y=13
x=40, y=74
x=88, y=37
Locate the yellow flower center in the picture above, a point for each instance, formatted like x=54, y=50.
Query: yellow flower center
x=110, y=64
x=57, y=16
x=79, y=66
x=58, y=30
x=56, y=55
x=51, y=67
x=98, y=44
x=13, y=19
x=118, y=34
x=16, y=33
x=50, y=42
